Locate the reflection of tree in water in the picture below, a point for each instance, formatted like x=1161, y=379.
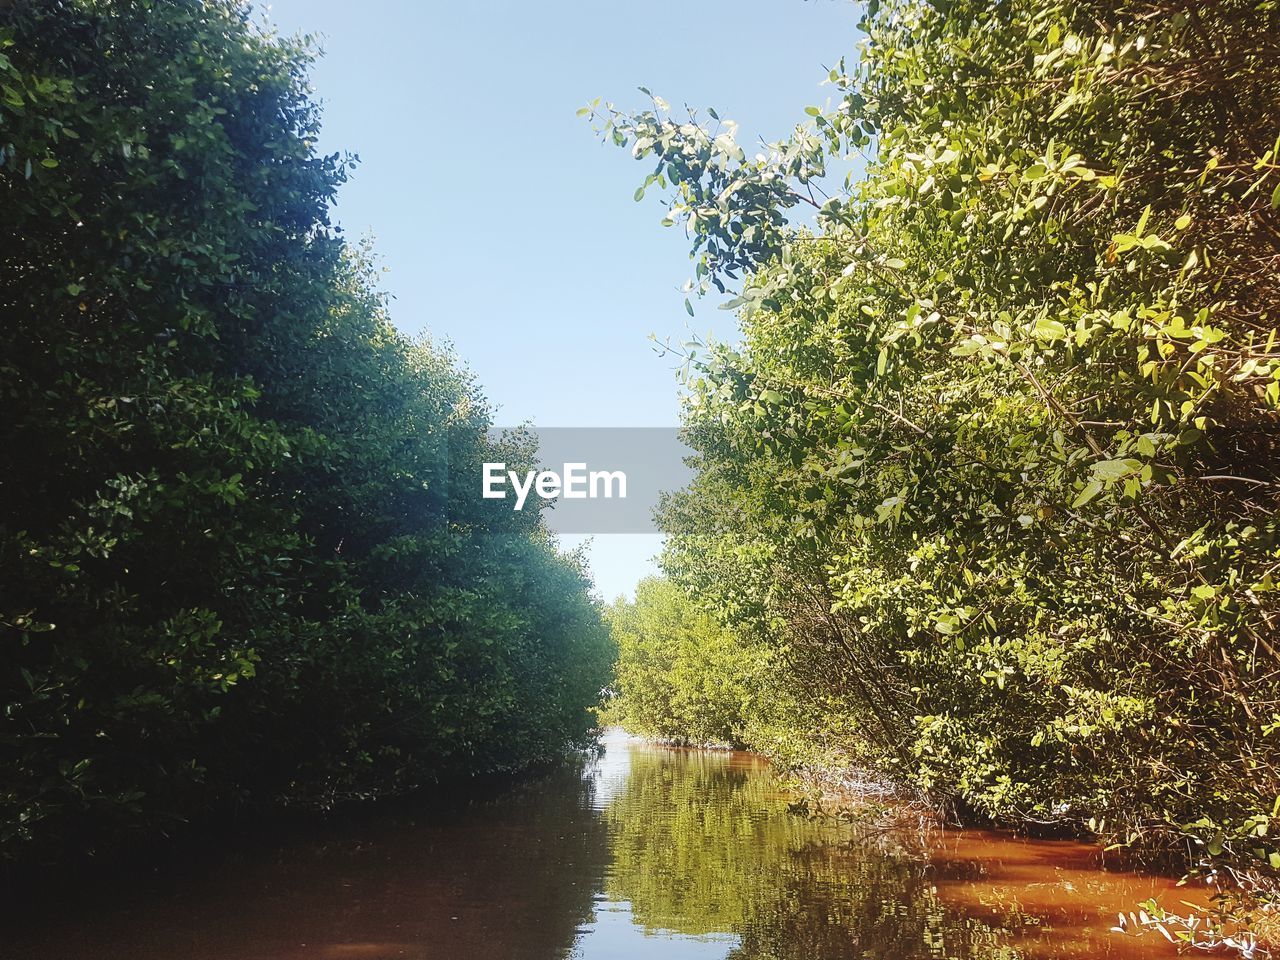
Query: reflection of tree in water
x=508, y=876
x=511, y=876
x=859, y=900
x=692, y=837
x=703, y=845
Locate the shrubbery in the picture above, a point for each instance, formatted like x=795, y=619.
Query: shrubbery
x=993, y=472
x=680, y=676
x=243, y=556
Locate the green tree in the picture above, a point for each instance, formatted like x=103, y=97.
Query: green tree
x=243, y=558
x=679, y=675
x=995, y=461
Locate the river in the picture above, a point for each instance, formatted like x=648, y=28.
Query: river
x=646, y=853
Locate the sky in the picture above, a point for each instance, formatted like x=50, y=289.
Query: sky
x=505, y=226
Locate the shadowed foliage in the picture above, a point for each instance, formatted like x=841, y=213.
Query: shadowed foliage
x=242, y=556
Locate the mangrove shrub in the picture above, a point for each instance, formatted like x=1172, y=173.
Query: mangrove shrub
x=243, y=556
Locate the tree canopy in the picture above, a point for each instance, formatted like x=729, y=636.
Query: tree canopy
x=992, y=472
x=243, y=554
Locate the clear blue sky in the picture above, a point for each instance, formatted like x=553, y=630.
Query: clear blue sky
x=506, y=227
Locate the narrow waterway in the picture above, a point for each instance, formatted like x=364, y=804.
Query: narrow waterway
x=643, y=853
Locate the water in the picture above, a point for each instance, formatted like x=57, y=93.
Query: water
x=646, y=854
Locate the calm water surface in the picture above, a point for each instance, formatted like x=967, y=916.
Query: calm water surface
x=646, y=853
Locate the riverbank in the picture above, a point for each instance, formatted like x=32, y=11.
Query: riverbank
x=1216, y=911
x=1223, y=910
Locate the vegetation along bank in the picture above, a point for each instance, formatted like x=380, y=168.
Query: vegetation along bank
x=986, y=493
x=244, y=558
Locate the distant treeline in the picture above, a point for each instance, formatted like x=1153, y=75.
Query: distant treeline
x=243, y=556
x=987, y=490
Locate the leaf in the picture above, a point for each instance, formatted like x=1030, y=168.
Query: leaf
x=1217, y=844
x=1142, y=221
x=1182, y=222
x=1111, y=471
x=1069, y=101
x=1049, y=329
x=1091, y=490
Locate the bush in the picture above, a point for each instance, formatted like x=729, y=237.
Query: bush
x=243, y=561
x=995, y=462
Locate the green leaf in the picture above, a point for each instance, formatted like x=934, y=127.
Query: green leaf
x=1049, y=329
x=1142, y=221
x=1091, y=490
x=1111, y=471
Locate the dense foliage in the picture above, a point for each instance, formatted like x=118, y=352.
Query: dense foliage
x=679, y=676
x=243, y=556
x=993, y=471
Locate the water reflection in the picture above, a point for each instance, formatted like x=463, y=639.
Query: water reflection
x=512, y=876
x=644, y=853
x=703, y=843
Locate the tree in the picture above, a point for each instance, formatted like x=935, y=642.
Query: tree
x=243, y=556
x=995, y=462
x=679, y=675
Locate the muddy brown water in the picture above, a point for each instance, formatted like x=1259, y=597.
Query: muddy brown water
x=646, y=853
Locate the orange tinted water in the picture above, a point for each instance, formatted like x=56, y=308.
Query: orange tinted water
x=645, y=853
